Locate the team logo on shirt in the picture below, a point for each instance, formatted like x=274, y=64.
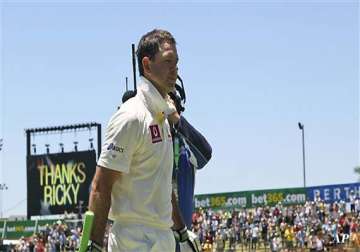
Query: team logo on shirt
x=155, y=133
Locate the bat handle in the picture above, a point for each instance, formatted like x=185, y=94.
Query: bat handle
x=88, y=221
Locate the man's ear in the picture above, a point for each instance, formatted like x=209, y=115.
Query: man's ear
x=146, y=64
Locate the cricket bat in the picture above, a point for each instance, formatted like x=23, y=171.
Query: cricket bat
x=88, y=221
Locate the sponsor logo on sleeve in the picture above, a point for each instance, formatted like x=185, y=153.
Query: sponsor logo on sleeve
x=113, y=147
x=155, y=133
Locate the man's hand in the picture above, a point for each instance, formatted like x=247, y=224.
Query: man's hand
x=94, y=247
x=171, y=113
x=194, y=241
x=177, y=101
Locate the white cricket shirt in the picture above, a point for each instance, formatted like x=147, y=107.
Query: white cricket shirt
x=138, y=144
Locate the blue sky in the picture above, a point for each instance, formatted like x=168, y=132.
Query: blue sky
x=251, y=70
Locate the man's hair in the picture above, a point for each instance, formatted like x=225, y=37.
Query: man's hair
x=149, y=45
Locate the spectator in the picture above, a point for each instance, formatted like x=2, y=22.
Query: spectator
x=220, y=242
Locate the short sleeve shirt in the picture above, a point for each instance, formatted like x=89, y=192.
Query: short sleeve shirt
x=138, y=144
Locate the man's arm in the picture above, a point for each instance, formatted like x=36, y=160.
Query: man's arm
x=176, y=213
x=100, y=200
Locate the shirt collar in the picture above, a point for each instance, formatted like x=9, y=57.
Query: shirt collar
x=151, y=97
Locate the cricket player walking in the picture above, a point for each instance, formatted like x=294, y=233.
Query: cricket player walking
x=133, y=180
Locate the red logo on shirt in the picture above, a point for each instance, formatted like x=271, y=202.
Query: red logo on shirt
x=155, y=133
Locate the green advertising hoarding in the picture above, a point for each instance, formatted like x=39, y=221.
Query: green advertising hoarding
x=2, y=223
x=251, y=199
x=17, y=229
x=43, y=224
x=14, y=230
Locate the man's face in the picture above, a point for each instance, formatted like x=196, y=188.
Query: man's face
x=162, y=68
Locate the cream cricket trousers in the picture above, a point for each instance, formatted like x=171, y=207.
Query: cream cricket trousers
x=140, y=238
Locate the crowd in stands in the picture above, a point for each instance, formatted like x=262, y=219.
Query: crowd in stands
x=59, y=237
x=314, y=226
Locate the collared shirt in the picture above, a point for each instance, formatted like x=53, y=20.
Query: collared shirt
x=138, y=144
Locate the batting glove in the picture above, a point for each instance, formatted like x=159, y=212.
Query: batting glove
x=188, y=240
x=94, y=247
